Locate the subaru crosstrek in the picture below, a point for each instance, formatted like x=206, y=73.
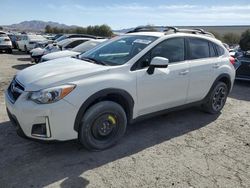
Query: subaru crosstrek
x=95, y=95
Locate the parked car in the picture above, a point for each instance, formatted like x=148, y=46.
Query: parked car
x=132, y=76
x=5, y=43
x=27, y=42
x=70, y=43
x=68, y=36
x=66, y=44
x=13, y=38
x=74, y=52
x=242, y=67
x=37, y=53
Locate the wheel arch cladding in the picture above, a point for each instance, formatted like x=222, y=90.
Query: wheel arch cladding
x=119, y=96
x=221, y=78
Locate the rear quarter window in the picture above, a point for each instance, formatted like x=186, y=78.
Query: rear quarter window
x=220, y=50
x=198, y=48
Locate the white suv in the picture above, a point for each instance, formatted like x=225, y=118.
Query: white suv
x=94, y=96
x=28, y=41
x=5, y=43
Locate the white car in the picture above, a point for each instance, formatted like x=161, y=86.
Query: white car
x=28, y=41
x=5, y=43
x=75, y=51
x=37, y=53
x=70, y=43
x=132, y=76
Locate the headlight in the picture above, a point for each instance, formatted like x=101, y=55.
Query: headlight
x=51, y=95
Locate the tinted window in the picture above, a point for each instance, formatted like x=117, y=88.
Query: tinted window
x=75, y=43
x=219, y=50
x=211, y=50
x=198, y=48
x=173, y=49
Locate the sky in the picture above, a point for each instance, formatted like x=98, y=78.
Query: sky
x=126, y=14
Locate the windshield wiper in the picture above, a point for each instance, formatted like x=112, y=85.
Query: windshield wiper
x=93, y=60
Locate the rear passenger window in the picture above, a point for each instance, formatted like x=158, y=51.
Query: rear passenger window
x=173, y=49
x=219, y=50
x=211, y=50
x=198, y=48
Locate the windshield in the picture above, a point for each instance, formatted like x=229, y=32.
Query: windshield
x=85, y=46
x=36, y=37
x=119, y=50
x=60, y=38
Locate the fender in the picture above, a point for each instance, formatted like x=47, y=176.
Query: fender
x=220, y=77
x=127, y=99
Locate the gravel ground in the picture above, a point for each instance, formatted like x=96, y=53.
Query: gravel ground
x=182, y=149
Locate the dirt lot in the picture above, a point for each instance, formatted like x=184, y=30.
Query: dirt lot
x=183, y=149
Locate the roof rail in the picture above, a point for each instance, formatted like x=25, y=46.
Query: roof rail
x=166, y=29
x=152, y=29
x=196, y=31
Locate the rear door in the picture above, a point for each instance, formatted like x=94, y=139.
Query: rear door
x=202, y=60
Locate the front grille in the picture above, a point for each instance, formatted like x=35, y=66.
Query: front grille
x=15, y=90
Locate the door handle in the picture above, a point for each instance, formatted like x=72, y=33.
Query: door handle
x=184, y=72
x=216, y=66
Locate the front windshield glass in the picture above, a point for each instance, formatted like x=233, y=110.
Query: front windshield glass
x=60, y=38
x=85, y=46
x=119, y=50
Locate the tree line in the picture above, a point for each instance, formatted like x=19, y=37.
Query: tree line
x=97, y=30
x=232, y=38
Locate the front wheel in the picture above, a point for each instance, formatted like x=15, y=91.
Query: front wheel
x=102, y=126
x=26, y=49
x=216, y=98
x=9, y=51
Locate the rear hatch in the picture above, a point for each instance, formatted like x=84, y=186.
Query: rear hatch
x=4, y=40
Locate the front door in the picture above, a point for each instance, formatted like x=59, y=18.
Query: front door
x=166, y=87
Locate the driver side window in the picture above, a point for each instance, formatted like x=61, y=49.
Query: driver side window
x=173, y=49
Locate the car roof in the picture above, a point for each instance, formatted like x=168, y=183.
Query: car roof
x=179, y=34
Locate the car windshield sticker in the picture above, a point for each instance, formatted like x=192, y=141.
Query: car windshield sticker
x=142, y=41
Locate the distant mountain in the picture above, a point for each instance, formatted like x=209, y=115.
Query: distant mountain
x=34, y=25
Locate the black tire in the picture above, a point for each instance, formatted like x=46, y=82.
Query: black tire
x=216, y=98
x=105, y=117
x=9, y=51
x=26, y=50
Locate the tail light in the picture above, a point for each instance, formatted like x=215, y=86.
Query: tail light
x=232, y=60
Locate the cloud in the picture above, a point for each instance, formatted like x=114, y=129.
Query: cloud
x=128, y=15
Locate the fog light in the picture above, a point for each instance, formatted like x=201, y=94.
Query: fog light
x=41, y=129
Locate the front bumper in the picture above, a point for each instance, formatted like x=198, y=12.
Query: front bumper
x=58, y=118
x=36, y=59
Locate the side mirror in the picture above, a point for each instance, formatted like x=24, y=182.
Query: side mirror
x=157, y=62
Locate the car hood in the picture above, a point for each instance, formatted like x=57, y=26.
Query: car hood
x=57, y=72
x=55, y=55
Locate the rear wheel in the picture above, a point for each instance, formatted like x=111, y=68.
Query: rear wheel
x=216, y=98
x=102, y=126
